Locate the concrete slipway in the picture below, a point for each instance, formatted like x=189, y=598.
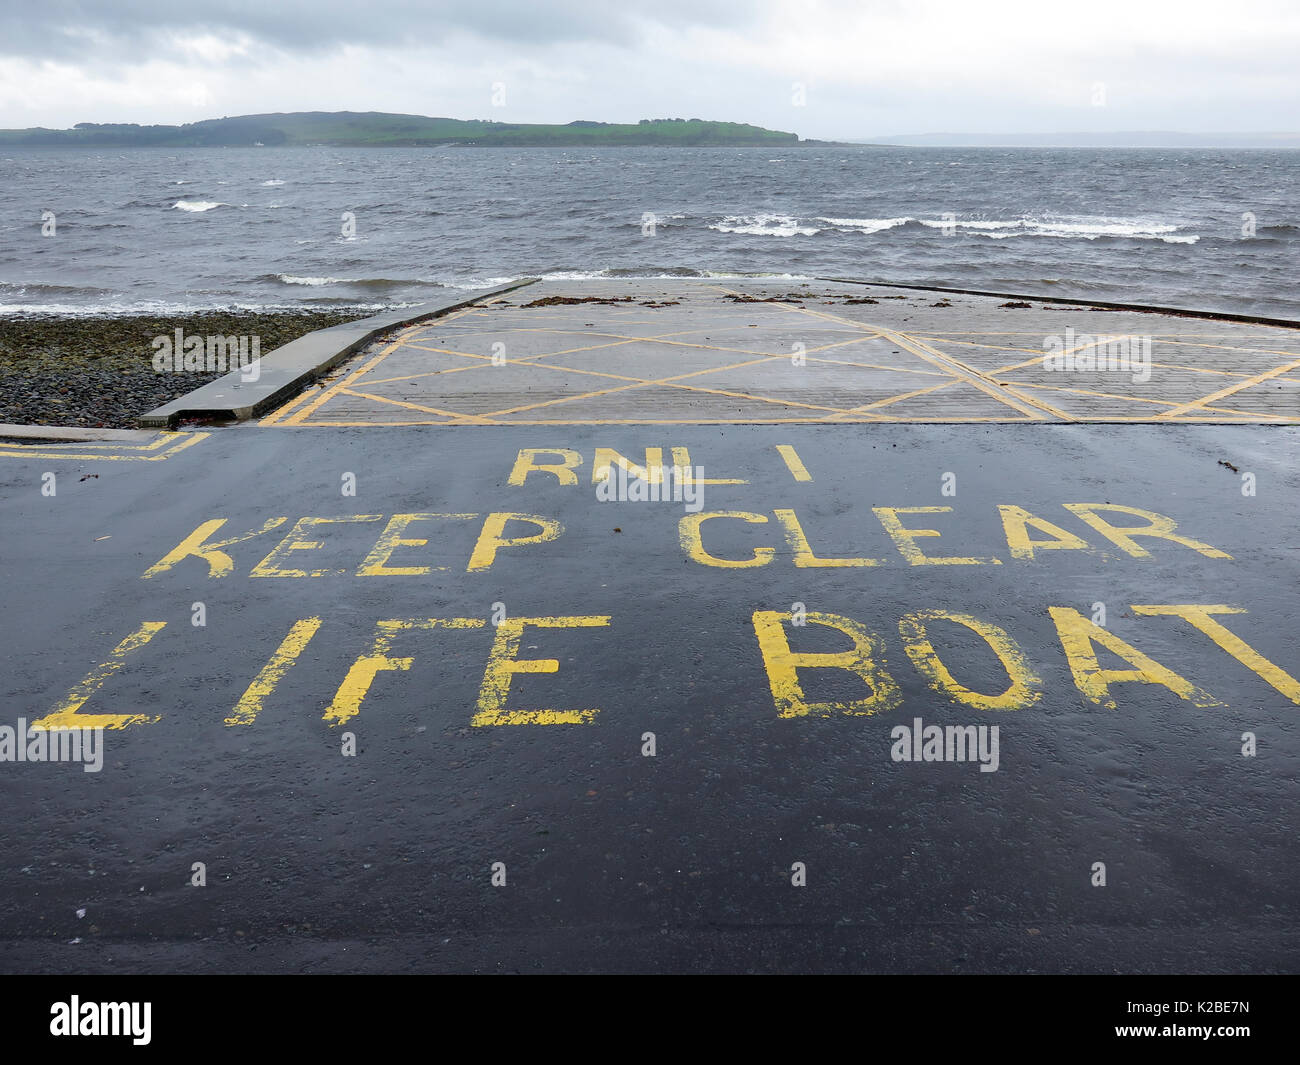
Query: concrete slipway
x=388, y=662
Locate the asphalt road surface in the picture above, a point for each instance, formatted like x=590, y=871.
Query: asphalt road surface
x=441, y=706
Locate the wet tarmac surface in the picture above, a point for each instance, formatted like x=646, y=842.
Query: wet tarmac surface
x=377, y=775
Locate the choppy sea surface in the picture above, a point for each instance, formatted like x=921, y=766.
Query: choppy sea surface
x=168, y=230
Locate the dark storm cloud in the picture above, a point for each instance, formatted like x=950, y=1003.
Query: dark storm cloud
x=67, y=29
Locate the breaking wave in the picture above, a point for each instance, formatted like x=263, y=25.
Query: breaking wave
x=317, y=282
x=1079, y=228
x=198, y=206
x=765, y=225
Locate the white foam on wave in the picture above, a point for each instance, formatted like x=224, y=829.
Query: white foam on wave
x=865, y=225
x=648, y=275
x=291, y=279
x=470, y=282
x=764, y=225
x=272, y=183
x=605, y=275
x=317, y=282
x=198, y=206
x=68, y=310
x=1077, y=228
x=982, y=225
x=767, y=275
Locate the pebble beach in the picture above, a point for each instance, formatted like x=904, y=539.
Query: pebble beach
x=97, y=372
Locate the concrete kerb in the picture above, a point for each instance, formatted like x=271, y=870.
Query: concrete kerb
x=1141, y=308
x=288, y=368
x=61, y=434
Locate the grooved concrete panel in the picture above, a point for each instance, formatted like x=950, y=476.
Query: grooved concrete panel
x=649, y=351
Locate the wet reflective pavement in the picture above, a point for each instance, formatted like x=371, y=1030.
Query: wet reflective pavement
x=437, y=698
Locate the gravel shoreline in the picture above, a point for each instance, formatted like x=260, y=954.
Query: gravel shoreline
x=97, y=372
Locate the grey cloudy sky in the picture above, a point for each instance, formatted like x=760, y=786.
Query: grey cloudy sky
x=869, y=67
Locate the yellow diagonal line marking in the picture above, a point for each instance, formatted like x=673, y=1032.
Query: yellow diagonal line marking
x=635, y=382
x=1155, y=365
x=671, y=421
x=535, y=355
x=878, y=366
x=1132, y=399
x=1098, y=339
x=1036, y=361
x=1252, y=414
x=662, y=339
x=754, y=420
x=1172, y=339
x=1030, y=333
x=1007, y=348
x=296, y=418
x=189, y=440
x=899, y=398
x=164, y=440
x=1250, y=382
x=1141, y=399
x=666, y=342
x=618, y=338
x=482, y=361
x=1023, y=404
x=535, y=359
x=1168, y=366
x=1176, y=367
x=528, y=362
x=1027, y=406
x=411, y=406
x=670, y=382
x=275, y=416
x=1236, y=347
x=1099, y=395
x=477, y=362
x=763, y=399
x=1196, y=369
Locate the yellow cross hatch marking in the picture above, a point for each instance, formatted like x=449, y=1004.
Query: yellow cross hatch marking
x=343, y=399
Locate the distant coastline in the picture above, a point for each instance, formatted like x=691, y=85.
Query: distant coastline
x=1080, y=139
x=347, y=129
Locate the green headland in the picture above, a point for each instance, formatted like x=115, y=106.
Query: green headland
x=373, y=129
